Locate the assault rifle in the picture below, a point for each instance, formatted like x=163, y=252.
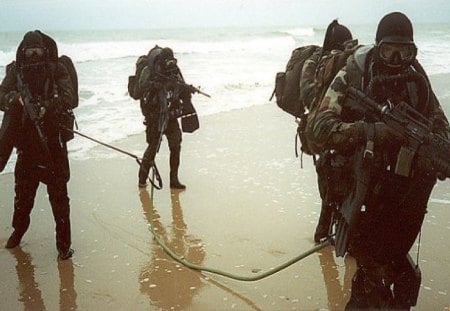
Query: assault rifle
x=421, y=142
x=190, y=87
x=413, y=126
x=35, y=117
x=165, y=99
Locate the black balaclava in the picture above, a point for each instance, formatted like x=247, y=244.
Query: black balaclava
x=395, y=27
x=167, y=60
x=166, y=53
x=335, y=36
x=34, y=69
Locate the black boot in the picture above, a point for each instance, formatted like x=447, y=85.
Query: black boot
x=63, y=255
x=147, y=162
x=324, y=223
x=142, y=176
x=14, y=239
x=144, y=171
x=174, y=164
x=175, y=183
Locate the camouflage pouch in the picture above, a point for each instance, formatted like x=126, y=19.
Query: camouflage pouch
x=334, y=176
x=301, y=132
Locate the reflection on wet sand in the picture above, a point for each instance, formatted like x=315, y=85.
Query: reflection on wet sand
x=29, y=293
x=338, y=295
x=67, y=293
x=166, y=289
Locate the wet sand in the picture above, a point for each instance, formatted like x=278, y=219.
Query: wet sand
x=248, y=206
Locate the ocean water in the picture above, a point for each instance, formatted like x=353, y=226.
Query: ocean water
x=236, y=66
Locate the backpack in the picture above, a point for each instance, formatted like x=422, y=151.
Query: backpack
x=287, y=84
x=9, y=127
x=152, y=57
x=143, y=61
x=67, y=118
x=67, y=62
x=133, y=81
x=327, y=69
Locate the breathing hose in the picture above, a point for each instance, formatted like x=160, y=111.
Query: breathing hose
x=153, y=168
x=184, y=262
x=181, y=259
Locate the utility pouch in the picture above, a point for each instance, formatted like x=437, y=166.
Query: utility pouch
x=301, y=131
x=279, y=86
x=189, y=118
x=189, y=123
x=131, y=87
x=67, y=123
x=334, y=176
x=340, y=177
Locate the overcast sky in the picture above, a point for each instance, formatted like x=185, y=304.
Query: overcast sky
x=117, y=14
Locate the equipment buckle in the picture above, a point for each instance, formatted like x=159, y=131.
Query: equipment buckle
x=368, y=152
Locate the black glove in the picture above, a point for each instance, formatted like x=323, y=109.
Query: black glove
x=424, y=164
x=191, y=88
x=385, y=136
x=10, y=99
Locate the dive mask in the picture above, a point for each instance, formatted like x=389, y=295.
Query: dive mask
x=34, y=56
x=397, y=54
x=34, y=52
x=170, y=64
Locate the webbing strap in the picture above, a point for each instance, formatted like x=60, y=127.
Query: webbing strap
x=368, y=151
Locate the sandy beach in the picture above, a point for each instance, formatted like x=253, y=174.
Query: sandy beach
x=248, y=206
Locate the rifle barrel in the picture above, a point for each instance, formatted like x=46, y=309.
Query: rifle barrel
x=203, y=93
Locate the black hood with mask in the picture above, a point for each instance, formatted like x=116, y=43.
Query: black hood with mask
x=35, y=71
x=394, y=28
x=167, y=61
x=166, y=54
x=37, y=38
x=394, y=77
x=335, y=37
